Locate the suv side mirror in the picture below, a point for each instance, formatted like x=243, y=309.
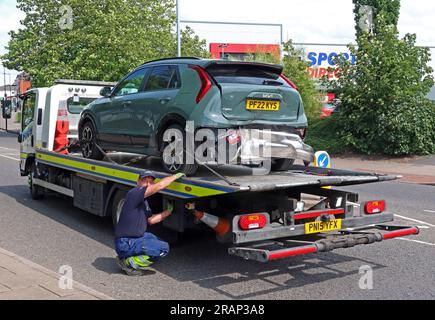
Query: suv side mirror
x=106, y=92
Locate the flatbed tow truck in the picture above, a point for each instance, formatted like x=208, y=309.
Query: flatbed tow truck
x=260, y=217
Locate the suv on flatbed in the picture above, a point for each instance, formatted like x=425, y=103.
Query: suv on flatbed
x=184, y=95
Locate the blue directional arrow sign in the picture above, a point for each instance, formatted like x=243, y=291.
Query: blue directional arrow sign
x=323, y=159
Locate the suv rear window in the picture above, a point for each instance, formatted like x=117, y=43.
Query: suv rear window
x=245, y=74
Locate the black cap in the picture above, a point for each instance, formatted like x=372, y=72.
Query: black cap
x=146, y=173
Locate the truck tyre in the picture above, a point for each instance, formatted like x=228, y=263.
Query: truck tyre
x=282, y=164
x=169, y=161
x=36, y=192
x=117, y=204
x=88, y=138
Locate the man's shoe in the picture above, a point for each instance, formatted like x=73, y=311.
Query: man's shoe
x=129, y=270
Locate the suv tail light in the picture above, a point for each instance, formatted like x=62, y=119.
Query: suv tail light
x=205, y=82
x=252, y=221
x=372, y=207
x=289, y=82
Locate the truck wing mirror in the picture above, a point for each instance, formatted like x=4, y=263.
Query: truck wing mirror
x=106, y=92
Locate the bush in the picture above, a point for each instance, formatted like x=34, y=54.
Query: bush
x=324, y=134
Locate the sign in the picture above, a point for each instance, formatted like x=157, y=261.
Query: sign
x=6, y=109
x=322, y=63
x=322, y=160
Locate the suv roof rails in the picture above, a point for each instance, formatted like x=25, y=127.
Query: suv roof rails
x=174, y=58
x=84, y=82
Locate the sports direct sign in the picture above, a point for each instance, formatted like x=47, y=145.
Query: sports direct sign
x=321, y=61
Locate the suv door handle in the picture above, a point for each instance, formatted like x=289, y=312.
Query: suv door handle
x=165, y=100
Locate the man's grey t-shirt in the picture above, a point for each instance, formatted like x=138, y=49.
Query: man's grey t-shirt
x=134, y=216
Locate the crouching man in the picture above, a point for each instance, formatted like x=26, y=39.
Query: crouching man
x=136, y=248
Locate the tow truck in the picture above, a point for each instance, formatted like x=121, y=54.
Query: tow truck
x=259, y=217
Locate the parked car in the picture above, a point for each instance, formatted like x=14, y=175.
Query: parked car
x=165, y=94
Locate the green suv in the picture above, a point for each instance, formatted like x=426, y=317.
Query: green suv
x=165, y=101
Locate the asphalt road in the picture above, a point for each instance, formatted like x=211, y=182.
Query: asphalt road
x=53, y=233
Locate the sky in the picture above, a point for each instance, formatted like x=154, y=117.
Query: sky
x=304, y=21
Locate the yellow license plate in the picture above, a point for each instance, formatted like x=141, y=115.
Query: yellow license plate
x=319, y=226
x=264, y=105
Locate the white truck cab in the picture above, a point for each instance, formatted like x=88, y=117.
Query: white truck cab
x=42, y=107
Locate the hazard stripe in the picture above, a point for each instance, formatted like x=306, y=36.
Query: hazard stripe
x=129, y=176
x=23, y=155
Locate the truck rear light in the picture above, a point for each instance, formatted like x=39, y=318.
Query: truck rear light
x=289, y=82
x=373, y=207
x=252, y=221
x=233, y=137
x=206, y=83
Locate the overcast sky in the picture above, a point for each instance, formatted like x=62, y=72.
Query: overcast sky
x=308, y=21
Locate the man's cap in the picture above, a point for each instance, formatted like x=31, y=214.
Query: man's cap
x=146, y=173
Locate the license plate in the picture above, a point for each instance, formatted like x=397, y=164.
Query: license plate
x=320, y=226
x=264, y=105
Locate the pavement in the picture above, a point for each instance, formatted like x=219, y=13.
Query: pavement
x=418, y=169
x=13, y=127
x=21, y=279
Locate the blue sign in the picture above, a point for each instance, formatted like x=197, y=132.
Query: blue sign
x=322, y=159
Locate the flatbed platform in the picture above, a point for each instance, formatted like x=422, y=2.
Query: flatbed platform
x=124, y=168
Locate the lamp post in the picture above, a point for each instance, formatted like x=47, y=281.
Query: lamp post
x=223, y=46
x=178, y=29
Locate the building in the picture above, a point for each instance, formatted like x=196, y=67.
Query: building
x=239, y=51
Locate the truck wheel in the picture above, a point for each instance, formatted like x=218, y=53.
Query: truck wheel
x=117, y=204
x=36, y=192
x=88, y=137
x=282, y=164
x=175, y=161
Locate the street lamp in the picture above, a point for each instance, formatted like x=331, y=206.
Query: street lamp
x=223, y=46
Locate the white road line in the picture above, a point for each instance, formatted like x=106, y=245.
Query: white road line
x=431, y=211
x=9, y=149
x=9, y=157
x=418, y=221
x=418, y=241
x=10, y=154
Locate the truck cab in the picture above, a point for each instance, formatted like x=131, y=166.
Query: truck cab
x=41, y=109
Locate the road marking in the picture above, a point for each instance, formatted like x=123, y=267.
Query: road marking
x=9, y=157
x=418, y=241
x=9, y=149
x=422, y=222
x=431, y=211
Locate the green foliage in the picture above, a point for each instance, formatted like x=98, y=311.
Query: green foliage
x=108, y=38
x=296, y=69
x=18, y=117
x=324, y=134
x=384, y=107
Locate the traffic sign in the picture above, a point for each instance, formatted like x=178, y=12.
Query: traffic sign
x=322, y=159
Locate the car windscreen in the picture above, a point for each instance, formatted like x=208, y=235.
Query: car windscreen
x=76, y=105
x=245, y=74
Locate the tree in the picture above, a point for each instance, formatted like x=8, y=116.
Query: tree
x=295, y=68
x=384, y=107
x=94, y=39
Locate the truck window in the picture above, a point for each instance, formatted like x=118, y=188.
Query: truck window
x=28, y=110
x=75, y=107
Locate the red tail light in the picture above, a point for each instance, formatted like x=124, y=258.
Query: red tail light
x=372, y=207
x=205, y=82
x=289, y=82
x=252, y=221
